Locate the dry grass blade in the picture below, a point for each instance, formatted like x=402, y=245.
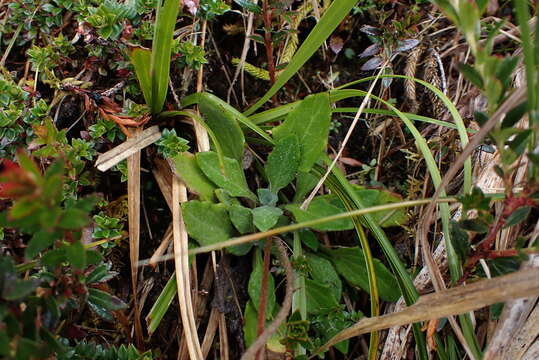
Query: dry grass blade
x=458, y=300
x=133, y=198
x=167, y=238
x=211, y=329
x=131, y=146
x=181, y=259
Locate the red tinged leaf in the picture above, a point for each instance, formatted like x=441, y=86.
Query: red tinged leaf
x=15, y=182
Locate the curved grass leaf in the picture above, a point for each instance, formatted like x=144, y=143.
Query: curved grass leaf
x=141, y=60
x=161, y=49
x=328, y=22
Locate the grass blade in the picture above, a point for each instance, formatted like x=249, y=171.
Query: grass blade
x=328, y=22
x=161, y=48
x=161, y=305
x=141, y=60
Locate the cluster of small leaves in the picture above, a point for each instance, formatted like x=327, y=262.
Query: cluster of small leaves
x=35, y=17
x=64, y=276
x=18, y=116
x=105, y=128
x=106, y=227
x=92, y=351
x=170, y=144
x=208, y=9
x=111, y=17
x=190, y=55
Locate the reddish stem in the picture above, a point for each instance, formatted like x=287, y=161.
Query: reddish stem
x=267, y=40
x=263, y=296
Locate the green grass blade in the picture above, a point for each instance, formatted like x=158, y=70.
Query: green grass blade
x=349, y=204
x=141, y=60
x=337, y=182
x=161, y=48
x=328, y=22
x=161, y=305
x=459, y=123
x=453, y=260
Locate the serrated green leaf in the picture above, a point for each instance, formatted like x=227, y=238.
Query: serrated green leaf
x=283, y=162
x=231, y=178
x=309, y=121
x=206, y=222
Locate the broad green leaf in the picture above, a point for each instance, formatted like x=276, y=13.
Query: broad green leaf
x=40, y=241
x=187, y=169
x=255, y=286
x=231, y=178
x=320, y=299
x=327, y=205
x=223, y=120
x=265, y=217
x=350, y=263
x=76, y=255
x=161, y=51
x=283, y=162
x=310, y=123
x=323, y=272
x=242, y=218
x=206, y=222
x=471, y=75
x=161, y=304
x=305, y=182
x=322, y=206
x=309, y=239
x=332, y=17
x=15, y=289
x=141, y=60
x=73, y=218
x=373, y=197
